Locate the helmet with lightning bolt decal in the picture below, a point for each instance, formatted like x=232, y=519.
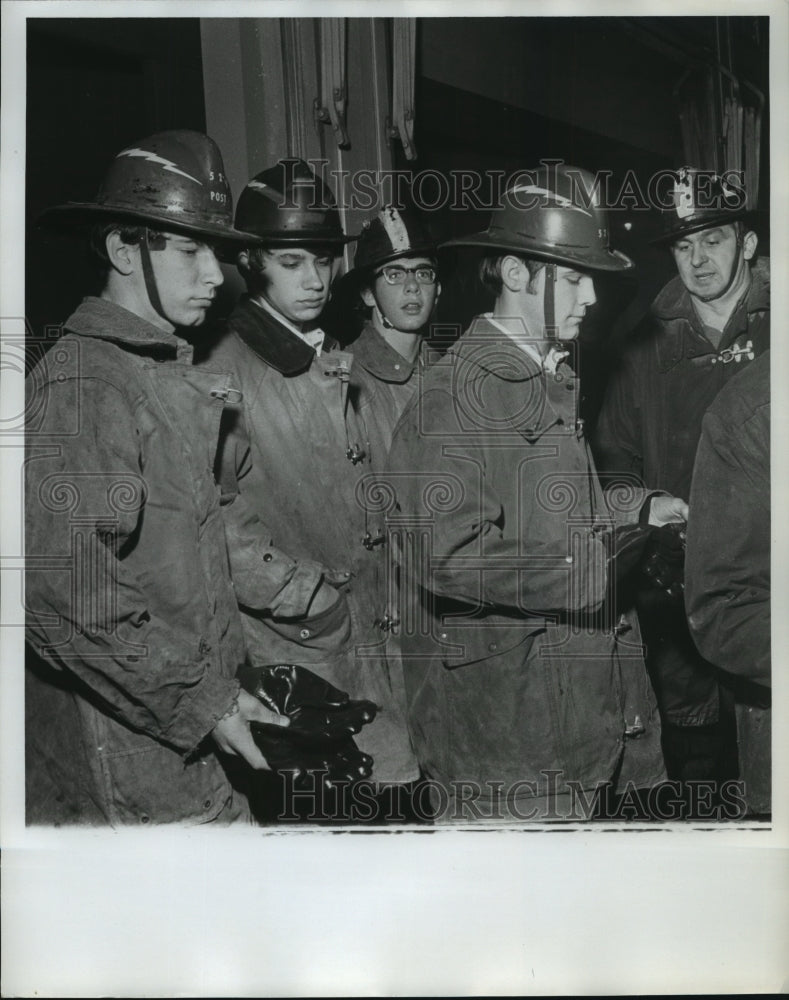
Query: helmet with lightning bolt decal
x=553, y=213
x=172, y=180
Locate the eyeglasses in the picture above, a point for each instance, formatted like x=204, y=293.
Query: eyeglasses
x=396, y=275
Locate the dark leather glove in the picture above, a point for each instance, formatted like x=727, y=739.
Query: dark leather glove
x=319, y=712
x=664, y=559
x=331, y=764
x=318, y=744
x=627, y=546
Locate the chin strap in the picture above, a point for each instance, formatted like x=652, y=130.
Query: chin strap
x=549, y=300
x=155, y=241
x=383, y=320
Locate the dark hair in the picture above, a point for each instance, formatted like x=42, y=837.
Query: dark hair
x=490, y=272
x=254, y=274
x=97, y=241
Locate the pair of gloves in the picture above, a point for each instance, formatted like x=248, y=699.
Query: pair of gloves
x=318, y=743
x=657, y=553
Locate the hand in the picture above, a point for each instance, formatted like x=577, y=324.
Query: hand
x=323, y=722
x=319, y=712
x=232, y=733
x=667, y=510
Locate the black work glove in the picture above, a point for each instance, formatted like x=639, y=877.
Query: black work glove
x=626, y=546
x=319, y=740
x=663, y=565
x=319, y=712
x=331, y=764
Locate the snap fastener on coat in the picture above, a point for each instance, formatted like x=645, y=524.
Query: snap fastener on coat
x=267, y=557
x=304, y=633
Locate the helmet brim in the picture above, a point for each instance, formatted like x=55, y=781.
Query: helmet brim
x=276, y=240
x=75, y=215
x=701, y=223
x=596, y=260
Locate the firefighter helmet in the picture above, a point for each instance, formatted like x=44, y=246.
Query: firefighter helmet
x=173, y=180
x=554, y=214
x=390, y=235
x=287, y=205
x=700, y=199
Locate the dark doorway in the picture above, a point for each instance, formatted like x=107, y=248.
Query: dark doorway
x=94, y=85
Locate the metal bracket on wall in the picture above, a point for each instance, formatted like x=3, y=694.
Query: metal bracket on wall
x=330, y=107
x=401, y=124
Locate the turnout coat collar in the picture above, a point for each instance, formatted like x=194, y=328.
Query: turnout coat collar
x=106, y=320
x=271, y=340
x=383, y=362
x=673, y=307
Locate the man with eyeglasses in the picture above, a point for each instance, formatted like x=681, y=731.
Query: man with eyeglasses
x=395, y=279
x=526, y=685
x=309, y=452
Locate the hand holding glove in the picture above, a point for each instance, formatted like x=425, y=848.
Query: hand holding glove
x=323, y=721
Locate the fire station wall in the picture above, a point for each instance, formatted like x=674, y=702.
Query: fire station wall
x=580, y=71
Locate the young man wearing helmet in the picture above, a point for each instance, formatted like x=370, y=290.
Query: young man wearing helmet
x=310, y=453
x=395, y=277
x=132, y=619
x=706, y=324
x=524, y=688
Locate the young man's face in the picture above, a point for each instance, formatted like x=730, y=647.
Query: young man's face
x=573, y=294
x=297, y=282
x=707, y=261
x=187, y=275
x=408, y=303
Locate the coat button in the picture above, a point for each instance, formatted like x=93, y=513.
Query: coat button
x=205, y=647
x=145, y=819
x=443, y=636
x=207, y=804
x=492, y=647
x=558, y=377
x=267, y=557
x=397, y=368
x=304, y=633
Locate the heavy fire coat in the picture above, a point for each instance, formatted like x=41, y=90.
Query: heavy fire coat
x=728, y=560
x=649, y=426
x=315, y=503
x=131, y=613
x=383, y=382
x=512, y=668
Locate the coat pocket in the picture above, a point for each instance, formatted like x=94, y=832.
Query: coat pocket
x=328, y=633
x=475, y=641
x=146, y=782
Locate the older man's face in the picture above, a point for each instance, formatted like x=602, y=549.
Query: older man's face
x=707, y=260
